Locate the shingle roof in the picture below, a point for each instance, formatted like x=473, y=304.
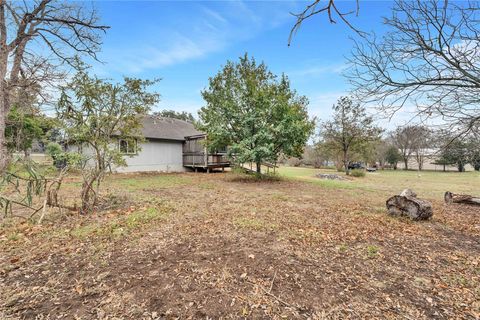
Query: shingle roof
x=155, y=127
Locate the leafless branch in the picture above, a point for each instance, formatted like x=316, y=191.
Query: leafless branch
x=428, y=60
x=333, y=12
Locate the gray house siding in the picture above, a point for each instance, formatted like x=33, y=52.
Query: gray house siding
x=156, y=155
x=162, y=151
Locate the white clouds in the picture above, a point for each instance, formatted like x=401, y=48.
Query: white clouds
x=321, y=107
x=201, y=30
x=215, y=15
x=321, y=103
x=174, y=48
x=181, y=49
x=318, y=70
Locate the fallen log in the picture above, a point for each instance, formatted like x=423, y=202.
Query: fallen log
x=461, y=198
x=407, y=204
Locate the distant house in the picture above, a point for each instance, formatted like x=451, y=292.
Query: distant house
x=171, y=145
x=430, y=158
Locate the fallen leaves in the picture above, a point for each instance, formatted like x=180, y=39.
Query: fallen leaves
x=257, y=250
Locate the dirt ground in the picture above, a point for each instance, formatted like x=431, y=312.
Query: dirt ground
x=220, y=246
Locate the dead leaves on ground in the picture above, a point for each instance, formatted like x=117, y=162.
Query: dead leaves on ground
x=257, y=250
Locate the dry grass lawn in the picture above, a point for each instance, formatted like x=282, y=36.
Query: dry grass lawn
x=223, y=246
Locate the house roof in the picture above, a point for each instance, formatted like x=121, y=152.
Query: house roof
x=155, y=127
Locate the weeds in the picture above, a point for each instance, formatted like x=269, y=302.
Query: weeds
x=122, y=225
x=372, y=251
x=358, y=173
x=343, y=247
x=252, y=223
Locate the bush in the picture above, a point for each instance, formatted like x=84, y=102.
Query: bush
x=53, y=149
x=358, y=173
x=294, y=162
x=241, y=175
x=238, y=170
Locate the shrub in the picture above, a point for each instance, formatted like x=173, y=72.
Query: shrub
x=294, y=162
x=53, y=149
x=238, y=170
x=358, y=173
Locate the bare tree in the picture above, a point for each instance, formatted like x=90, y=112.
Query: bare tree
x=422, y=145
x=330, y=7
x=349, y=129
x=36, y=38
x=429, y=59
x=411, y=141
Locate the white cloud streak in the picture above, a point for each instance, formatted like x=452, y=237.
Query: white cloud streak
x=209, y=31
x=318, y=70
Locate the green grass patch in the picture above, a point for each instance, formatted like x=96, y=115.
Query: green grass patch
x=372, y=251
x=252, y=223
x=385, y=183
x=150, y=181
x=343, y=247
x=14, y=236
x=206, y=185
x=122, y=225
x=280, y=197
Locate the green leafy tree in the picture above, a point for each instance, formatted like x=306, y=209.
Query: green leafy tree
x=393, y=156
x=95, y=115
x=455, y=153
x=55, y=150
x=475, y=158
x=24, y=127
x=255, y=113
x=181, y=115
x=349, y=130
x=474, y=149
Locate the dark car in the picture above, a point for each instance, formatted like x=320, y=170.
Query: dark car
x=355, y=165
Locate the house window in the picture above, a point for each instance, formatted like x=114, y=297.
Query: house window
x=127, y=146
x=221, y=150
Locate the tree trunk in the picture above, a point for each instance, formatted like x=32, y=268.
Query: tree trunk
x=26, y=153
x=259, y=165
x=4, y=157
x=345, y=162
x=407, y=204
x=405, y=161
x=4, y=107
x=461, y=198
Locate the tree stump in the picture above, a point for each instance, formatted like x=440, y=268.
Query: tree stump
x=461, y=198
x=407, y=204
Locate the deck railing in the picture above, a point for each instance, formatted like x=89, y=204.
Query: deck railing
x=200, y=159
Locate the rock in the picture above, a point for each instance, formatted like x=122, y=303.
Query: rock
x=329, y=176
x=407, y=204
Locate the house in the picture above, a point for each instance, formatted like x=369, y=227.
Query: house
x=429, y=159
x=171, y=145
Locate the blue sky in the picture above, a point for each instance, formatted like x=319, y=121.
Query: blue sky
x=186, y=42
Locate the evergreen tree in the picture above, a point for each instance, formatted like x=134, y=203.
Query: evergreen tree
x=255, y=113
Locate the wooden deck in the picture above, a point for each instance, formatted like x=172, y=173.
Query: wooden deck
x=195, y=155
x=205, y=160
